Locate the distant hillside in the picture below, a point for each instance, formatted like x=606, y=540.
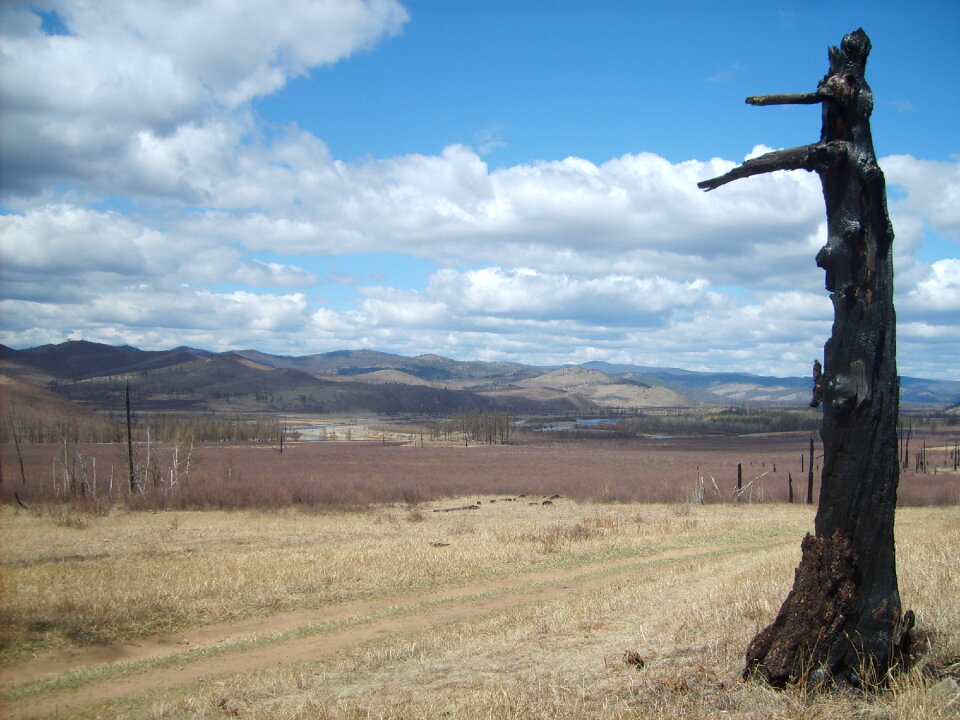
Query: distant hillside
x=607, y=391
x=79, y=359
x=33, y=413
x=188, y=379
x=185, y=380
x=549, y=397
x=934, y=392
x=743, y=388
x=425, y=367
x=396, y=377
x=706, y=387
x=570, y=378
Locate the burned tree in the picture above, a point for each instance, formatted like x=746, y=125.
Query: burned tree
x=842, y=620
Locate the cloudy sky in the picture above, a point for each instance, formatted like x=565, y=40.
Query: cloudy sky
x=482, y=179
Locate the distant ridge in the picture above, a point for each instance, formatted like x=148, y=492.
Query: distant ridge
x=191, y=379
x=719, y=387
x=607, y=390
x=425, y=367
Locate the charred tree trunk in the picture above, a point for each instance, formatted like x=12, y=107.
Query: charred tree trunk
x=906, y=447
x=134, y=485
x=843, y=620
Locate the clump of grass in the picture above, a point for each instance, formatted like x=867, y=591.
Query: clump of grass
x=555, y=538
x=415, y=514
x=64, y=516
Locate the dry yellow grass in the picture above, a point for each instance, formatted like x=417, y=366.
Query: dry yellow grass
x=559, y=655
x=74, y=580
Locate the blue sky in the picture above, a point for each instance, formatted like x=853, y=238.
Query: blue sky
x=484, y=180
x=598, y=79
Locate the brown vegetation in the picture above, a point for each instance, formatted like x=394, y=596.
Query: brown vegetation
x=178, y=474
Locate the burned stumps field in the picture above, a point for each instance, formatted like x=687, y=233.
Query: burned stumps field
x=843, y=620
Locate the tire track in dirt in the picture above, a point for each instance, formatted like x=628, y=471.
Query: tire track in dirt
x=428, y=609
x=60, y=661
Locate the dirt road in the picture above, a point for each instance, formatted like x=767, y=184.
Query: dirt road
x=352, y=623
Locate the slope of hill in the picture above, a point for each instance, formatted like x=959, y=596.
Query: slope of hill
x=606, y=390
x=936, y=392
x=570, y=378
x=32, y=412
x=187, y=379
x=388, y=377
x=709, y=387
x=562, y=400
x=79, y=359
x=740, y=388
x=426, y=367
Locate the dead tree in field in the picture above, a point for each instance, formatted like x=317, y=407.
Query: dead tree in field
x=134, y=485
x=843, y=620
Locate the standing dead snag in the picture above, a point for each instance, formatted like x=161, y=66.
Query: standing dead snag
x=843, y=618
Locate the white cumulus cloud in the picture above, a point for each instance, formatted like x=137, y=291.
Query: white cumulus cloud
x=131, y=85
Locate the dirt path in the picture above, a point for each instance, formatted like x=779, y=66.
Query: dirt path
x=426, y=610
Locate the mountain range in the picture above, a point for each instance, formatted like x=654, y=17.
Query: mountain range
x=187, y=379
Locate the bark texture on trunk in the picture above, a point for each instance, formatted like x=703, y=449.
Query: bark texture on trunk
x=843, y=620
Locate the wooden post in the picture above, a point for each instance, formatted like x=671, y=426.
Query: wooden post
x=843, y=614
x=906, y=447
x=790, y=488
x=810, y=475
x=134, y=486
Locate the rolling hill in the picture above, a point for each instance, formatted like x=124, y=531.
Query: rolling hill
x=606, y=390
x=188, y=380
x=31, y=412
x=744, y=388
x=347, y=363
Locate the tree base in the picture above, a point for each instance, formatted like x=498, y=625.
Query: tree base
x=820, y=633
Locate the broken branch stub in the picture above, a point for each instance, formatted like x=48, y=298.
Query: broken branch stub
x=843, y=617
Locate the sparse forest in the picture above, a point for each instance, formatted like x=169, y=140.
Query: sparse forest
x=476, y=426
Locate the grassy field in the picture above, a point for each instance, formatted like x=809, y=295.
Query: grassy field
x=513, y=610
